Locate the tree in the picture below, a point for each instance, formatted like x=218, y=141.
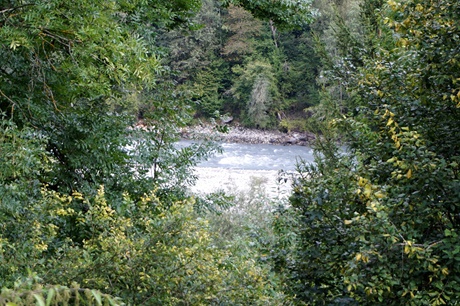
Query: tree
x=72, y=73
x=88, y=194
x=242, y=28
x=229, y=35
x=256, y=89
x=284, y=13
x=379, y=224
x=194, y=55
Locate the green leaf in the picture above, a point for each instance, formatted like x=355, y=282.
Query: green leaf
x=40, y=300
x=97, y=296
x=50, y=295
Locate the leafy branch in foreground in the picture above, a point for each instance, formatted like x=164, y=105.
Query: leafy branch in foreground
x=32, y=292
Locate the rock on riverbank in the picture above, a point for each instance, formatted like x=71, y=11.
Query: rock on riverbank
x=238, y=134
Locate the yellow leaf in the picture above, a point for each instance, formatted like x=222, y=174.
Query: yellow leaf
x=365, y=259
x=403, y=42
x=392, y=3
x=362, y=181
x=390, y=121
x=409, y=174
x=367, y=190
x=406, y=249
x=347, y=222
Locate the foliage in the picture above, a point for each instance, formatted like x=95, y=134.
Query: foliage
x=77, y=75
x=245, y=226
x=284, y=13
x=145, y=252
x=248, y=214
x=378, y=223
x=298, y=70
x=241, y=28
x=290, y=125
x=153, y=150
x=194, y=55
x=23, y=159
x=253, y=43
x=211, y=59
x=208, y=89
x=90, y=116
x=256, y=88
x=73, y=80
x=191, y=50
x=32, y=292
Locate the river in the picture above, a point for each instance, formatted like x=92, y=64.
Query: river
x=241, y=167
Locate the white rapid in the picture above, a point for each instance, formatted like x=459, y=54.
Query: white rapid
x=241, y=166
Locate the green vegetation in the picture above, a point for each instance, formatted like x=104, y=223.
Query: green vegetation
x=94, y=207
x=146, y=252
x=379, y=225
x=259, y=71
x=93, y=201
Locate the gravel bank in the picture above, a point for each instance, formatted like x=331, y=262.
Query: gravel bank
x=238, y=134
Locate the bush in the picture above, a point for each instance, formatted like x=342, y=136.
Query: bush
x=379, y=224
x=144, y=253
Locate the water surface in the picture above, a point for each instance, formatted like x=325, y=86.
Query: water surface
x=240, y=165
x=240, y=156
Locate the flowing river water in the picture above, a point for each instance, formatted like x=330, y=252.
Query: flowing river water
x=242, y=166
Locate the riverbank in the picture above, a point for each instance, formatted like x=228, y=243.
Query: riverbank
x=238, y=134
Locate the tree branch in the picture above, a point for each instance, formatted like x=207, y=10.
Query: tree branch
x=15, y=8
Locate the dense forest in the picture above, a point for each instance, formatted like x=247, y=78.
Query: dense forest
x=95, y=207
x=244, y=67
